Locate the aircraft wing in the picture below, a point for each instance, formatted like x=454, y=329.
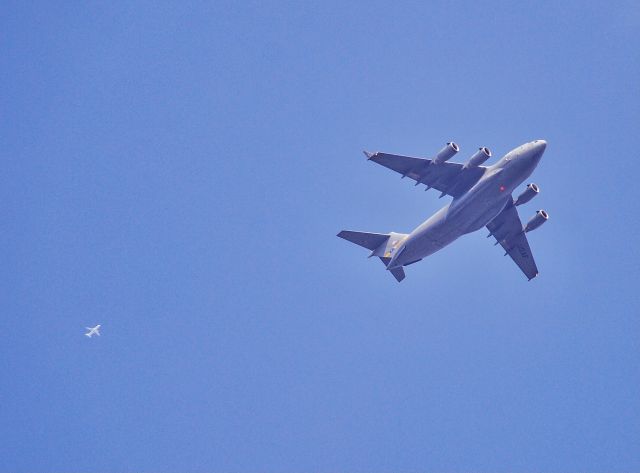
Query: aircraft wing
x=448, y=178
x=507, y=230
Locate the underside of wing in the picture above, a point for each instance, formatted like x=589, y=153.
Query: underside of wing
x=507, y=229
x=449, y=178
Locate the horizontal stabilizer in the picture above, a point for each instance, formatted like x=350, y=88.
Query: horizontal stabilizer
x=371, y=241
x=382, y=245
x=398, y=273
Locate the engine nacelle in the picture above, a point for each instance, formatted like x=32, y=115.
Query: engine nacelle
x=529, y=193
x=478, y=158
x=446, y=153
x=538, y=219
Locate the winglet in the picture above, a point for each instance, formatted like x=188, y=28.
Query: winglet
x=368, y=154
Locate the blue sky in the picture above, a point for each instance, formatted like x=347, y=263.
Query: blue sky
x=178, y=171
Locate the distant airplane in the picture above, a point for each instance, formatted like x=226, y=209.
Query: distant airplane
x=481, y=197
x=93, y=331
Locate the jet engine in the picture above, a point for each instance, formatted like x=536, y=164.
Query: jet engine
x=538, y=219
x=529, y=193
x=446, y=153
x=478, y=158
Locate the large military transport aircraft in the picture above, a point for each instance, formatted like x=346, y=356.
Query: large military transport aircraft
x=481, y=197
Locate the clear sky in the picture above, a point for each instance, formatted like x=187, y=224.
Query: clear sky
x=178, y=171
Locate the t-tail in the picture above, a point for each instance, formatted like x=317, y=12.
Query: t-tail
x=382, y=245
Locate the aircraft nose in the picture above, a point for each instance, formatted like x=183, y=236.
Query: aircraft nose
x=537, y=150
x=541, y=145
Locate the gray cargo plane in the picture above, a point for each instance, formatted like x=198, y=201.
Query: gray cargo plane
x=481, y=197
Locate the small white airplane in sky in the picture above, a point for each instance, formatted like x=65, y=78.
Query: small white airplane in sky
x=93, y=331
